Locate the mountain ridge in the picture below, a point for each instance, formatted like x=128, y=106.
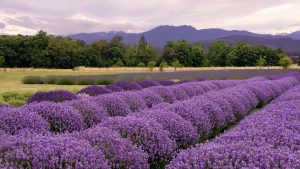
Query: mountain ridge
x=160, y=35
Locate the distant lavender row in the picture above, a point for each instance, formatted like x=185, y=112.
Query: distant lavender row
x=266, y=139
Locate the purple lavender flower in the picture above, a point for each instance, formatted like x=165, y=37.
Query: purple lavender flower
x=164, y=92
x=146, y=133
x=126, y=85
x=134, y=101
x=179, y=93
x=166, y=82
x=94, y=90
x=113, y=103
x=150, y=97
x=37, y=151
x=12, y=121
x=114, y=88
x=90, y=111
x=61, y=117
x=120, y=152
x=182, y=131
x=53, y=96
x=148, y=83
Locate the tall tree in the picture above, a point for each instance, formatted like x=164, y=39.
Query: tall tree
x=218, y=53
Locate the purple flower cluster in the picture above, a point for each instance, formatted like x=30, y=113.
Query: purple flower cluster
x=120, y=152
x=166, y=82
x=114, y=104
x=266, y=139
x=61, y=117
x=164, y=92
x=148, y=83
x=94, y=90
x=90, y=111
x=146, y=133
x=182, y=131
x=37, y=151
x=114, y=88
x=126, y=85
x=53, y=96
x=12, y=121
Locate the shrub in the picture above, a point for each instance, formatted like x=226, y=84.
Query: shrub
x=146, y=133
x=53, y=96
x=166, y=82
x=162, y=65
x=49, y=80
x=198, y=118
x=148, y=83
x=285, y=61
x=164, y=92
x=114, y=88
x=120, y=152
x=65, y=81
x=151, y=65
x=32, y=80
x=37, y=151
x=179, y=93
x=182, y=131
x=86, y=82
x=119, y=63
x=13, y=120
x=104, y=81
x=113, y=104
x=16, y=99
x=61, y=117
x=134, y=101
x=141, y=64
x=90, y=111
x=94, y=90
x=150, y=97
x=126, y=85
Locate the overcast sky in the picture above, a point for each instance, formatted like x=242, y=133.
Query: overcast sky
x=74, y=16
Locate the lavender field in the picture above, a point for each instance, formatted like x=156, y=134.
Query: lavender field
x=250, y=123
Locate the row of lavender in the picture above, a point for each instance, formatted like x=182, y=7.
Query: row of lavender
x=269, y=138
x=64, y=95
x=85, y=112
x=131, y=141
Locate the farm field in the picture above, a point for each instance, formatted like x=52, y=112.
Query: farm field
x=249, y=123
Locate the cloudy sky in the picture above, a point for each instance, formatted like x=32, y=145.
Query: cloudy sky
x=74, y=16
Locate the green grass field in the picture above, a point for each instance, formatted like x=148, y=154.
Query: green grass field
x=13, y=92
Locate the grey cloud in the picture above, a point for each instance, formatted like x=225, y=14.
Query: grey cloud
x=55, y=16
x=2, y=25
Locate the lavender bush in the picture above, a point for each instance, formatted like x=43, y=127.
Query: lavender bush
x=120, y=152
x=61, y=117
x=37, y=151
x=53, y=96
x=13, y=121
x=146, y=133
x=94, y=90
x=126, y=85
x=148, y=83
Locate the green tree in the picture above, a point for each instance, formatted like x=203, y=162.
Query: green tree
x=141, y=64
x=2, y=61
x=176, y=64
x=242, y=55
x=285, y=61
x=162, y=65
x=218, y=53
x=116, y=50
x=261, y=61
x=119, y=63
x=151, y=65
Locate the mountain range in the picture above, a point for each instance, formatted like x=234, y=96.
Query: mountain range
x=158, y=37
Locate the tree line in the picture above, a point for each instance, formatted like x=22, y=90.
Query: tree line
x=48, y=51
